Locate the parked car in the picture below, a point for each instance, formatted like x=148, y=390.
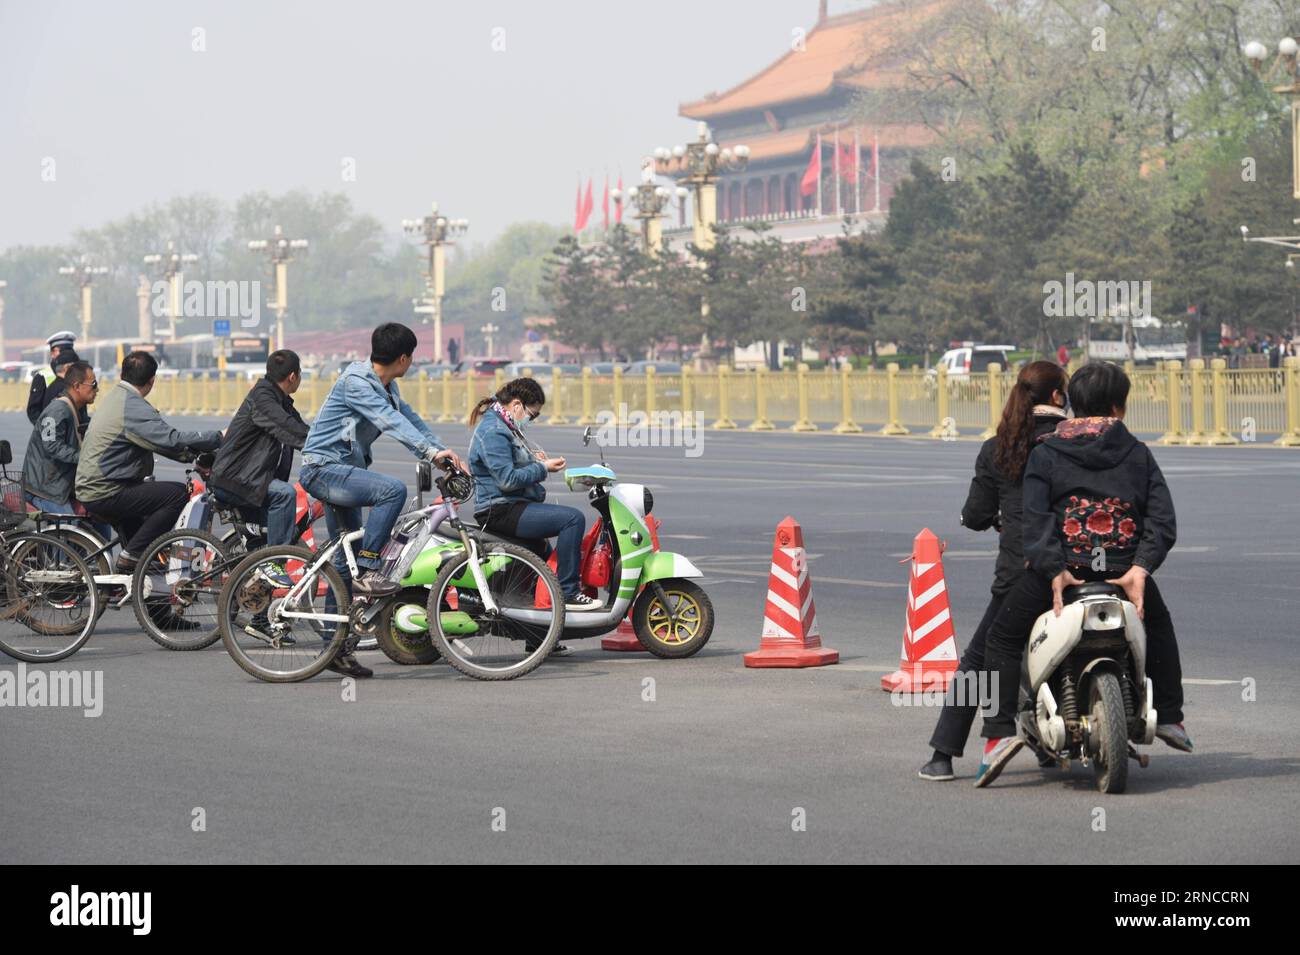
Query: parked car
x=660, y=367
x=962, y=362
x=606, y=367
x=537, y=369
x=434, y=369
x=488, y=366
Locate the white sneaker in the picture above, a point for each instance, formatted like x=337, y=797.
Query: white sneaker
x=582, y=602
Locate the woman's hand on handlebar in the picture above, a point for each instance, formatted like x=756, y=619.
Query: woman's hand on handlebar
x=554, y=464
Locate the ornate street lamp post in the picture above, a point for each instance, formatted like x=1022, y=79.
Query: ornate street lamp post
x=172, y=267
x=1285, y=65
x=652, y=202
x=83, y=275
x=280, y=249
x=435, y=232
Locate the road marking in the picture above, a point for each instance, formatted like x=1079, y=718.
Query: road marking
x=684, y=537
x=819, y=579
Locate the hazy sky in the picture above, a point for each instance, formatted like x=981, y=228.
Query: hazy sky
x=414, y=92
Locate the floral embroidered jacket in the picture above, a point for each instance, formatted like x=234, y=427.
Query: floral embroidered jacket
x=1093, y=492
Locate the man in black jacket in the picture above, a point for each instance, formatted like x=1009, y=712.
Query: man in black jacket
x=1094, y=497
x=253, y=464
x=42, y=393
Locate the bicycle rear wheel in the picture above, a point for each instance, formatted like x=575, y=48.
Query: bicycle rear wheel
x=493, y=645
x=271, y=638
x=176, y=586
x=48, y=600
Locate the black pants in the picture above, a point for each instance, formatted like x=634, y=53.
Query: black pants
x=143, y=511
x=955, y=722
x=1032, y=596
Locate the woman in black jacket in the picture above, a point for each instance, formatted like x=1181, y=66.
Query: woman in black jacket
x=1034, y=408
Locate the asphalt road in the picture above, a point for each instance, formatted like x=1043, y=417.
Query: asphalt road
x=582, y=768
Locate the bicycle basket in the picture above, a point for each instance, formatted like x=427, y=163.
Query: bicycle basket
x=14, y=504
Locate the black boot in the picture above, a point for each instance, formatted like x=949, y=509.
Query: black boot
x=349, y=665
x=165, y=618
x=938, y=769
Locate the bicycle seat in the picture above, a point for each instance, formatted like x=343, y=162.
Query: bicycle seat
x=1099, y=588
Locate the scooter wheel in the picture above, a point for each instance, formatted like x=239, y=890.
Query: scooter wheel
x=1110, y=765
x=659, y=632
x=408, y=649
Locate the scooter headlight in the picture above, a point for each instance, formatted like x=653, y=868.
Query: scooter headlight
x=649, y=501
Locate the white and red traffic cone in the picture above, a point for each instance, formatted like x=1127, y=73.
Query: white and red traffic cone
x=929, y=657
x=790, y=634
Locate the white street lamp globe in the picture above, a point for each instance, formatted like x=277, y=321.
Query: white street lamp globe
x=726, y=154
x=679, y=151
x=1287, y=46
x=742, y=152
x=681, y=192
x=1255, y=51
x=711, y=149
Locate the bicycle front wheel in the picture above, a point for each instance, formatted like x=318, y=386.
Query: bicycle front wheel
x=176, y=586
x=515, y=637
x=276, y=630
x=48, y=600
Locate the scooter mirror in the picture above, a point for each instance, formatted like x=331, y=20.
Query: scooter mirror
x=586, y=437
x=7, y=452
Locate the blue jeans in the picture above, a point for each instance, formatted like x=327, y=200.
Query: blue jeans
x=279, y=514
x=567, y=525
x=347, y=490
x=50, y=507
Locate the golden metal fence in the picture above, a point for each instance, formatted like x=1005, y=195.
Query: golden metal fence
x=1200, y=403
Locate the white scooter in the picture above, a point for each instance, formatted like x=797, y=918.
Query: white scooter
x=1088, y=685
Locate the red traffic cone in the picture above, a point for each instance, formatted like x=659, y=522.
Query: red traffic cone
x=929, y=657
x=623, y=638
x=790, y=635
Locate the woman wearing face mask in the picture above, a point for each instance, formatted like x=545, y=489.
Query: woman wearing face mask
x=1035, y=407
x=508, y=484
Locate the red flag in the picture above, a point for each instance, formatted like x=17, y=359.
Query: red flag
x=848, y=163
x=586, y=206
x=813, y=174
x=604, y=203
x=618, y=206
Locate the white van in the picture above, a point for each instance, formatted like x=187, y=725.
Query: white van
x=961, y=362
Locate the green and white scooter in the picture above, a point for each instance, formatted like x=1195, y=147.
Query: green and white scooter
x=621, y=565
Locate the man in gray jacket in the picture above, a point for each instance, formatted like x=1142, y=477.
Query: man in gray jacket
x=117, y=456
x=50, y=467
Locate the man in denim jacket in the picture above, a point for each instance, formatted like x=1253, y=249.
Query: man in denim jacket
x=363, y=404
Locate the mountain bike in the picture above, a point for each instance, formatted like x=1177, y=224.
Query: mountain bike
x=286, y=613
